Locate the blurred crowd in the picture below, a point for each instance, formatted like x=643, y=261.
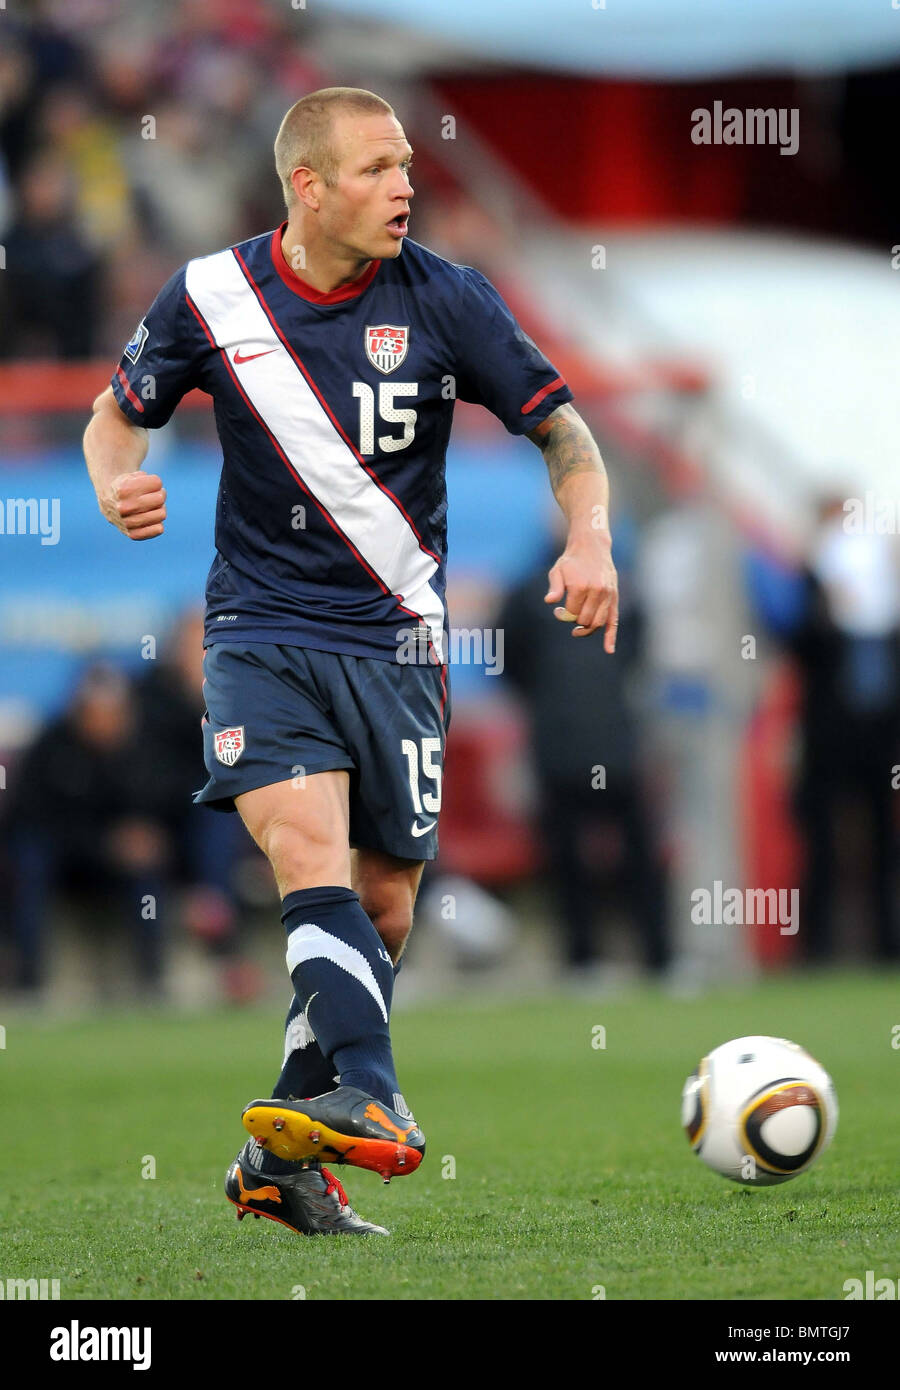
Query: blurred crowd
x=98, y=814
x=135, y=137
x=636, y=796
x=130, y=140
x=644, y=764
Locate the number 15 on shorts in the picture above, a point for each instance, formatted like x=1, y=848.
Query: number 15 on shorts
x=423, y=764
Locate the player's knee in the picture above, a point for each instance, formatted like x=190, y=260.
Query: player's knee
x=300, y=859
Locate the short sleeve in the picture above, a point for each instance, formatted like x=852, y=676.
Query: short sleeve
x=498, y=365
x=160, y=362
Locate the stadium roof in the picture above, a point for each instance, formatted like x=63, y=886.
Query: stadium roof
x=653, y=38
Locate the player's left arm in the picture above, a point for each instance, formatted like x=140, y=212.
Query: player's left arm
x=584, y=575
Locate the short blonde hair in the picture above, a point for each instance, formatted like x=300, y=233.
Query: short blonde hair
x=304, y=136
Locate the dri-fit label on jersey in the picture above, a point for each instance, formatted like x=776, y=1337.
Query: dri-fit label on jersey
x=135, y=345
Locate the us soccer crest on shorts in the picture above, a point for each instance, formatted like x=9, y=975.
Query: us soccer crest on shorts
x=229, y=745
x=386, y=347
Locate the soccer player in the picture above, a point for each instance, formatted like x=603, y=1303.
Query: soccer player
x=333, y=349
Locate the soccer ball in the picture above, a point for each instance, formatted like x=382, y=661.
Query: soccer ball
x=759, y=1110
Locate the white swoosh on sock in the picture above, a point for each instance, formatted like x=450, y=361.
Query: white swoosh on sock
x=309, y=942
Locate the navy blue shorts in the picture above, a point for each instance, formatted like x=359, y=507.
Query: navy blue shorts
x=275, y=713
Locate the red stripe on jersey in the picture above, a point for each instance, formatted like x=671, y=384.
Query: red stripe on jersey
x=306, y=291
x=539, y=395
x=330, y=413
x=292, y=470
x=123, y=382
x=202, y=322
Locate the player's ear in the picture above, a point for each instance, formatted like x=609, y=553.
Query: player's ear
x=306, y=185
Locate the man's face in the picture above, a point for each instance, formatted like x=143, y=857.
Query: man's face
x=366, y=211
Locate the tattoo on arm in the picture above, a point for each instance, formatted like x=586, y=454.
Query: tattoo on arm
x=567, y=445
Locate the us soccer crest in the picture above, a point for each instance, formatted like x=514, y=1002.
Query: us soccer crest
x=229, y=745
x=386, y=347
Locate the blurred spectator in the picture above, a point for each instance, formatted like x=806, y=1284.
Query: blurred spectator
x=847, y=644
x=698, y=695
x=205, y=844
x=86, y=141
x=52, y=281
x=16, y=91
x=100, y=808
x=187, y=181
x=585, y=750
x=77, y=820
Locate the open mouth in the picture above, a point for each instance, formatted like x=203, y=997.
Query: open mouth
x=398, y=224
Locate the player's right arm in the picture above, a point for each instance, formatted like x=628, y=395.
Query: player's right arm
x=160, y=363
x=114, y=449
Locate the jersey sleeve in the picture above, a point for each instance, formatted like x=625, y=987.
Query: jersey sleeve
x=498, y=365
x=160, y=362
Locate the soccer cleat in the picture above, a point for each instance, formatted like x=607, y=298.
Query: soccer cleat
x=310, y=1201
x=342, y=1126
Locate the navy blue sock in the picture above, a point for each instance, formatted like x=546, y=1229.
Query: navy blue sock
x=305, y=1071
x=344, y=982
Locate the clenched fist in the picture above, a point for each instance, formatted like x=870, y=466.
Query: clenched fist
x=136, y=504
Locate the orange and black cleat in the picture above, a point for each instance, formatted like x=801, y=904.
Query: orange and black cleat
x=310, y=1201
x=342, y=1126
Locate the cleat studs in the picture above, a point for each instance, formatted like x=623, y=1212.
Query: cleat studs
x=278, y=1124
x=260, y=1139
x=240, y=1214
x=314, y=1136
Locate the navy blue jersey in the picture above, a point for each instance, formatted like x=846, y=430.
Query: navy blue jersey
x=334, y=412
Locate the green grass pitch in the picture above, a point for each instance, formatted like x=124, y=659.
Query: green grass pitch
x=571, y=1171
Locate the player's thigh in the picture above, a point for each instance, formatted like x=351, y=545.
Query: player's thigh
x=387, y=888
x=302, y=826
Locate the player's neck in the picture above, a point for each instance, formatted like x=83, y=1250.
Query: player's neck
x=317, y=266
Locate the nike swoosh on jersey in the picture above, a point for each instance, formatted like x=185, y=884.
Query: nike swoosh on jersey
x=418, y=830
x=238, y=359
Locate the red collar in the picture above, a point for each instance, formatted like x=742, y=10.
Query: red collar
x=293, y=282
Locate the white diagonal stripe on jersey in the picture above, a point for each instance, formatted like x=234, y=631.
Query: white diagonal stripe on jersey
x=309, y=942
x=292, y=412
